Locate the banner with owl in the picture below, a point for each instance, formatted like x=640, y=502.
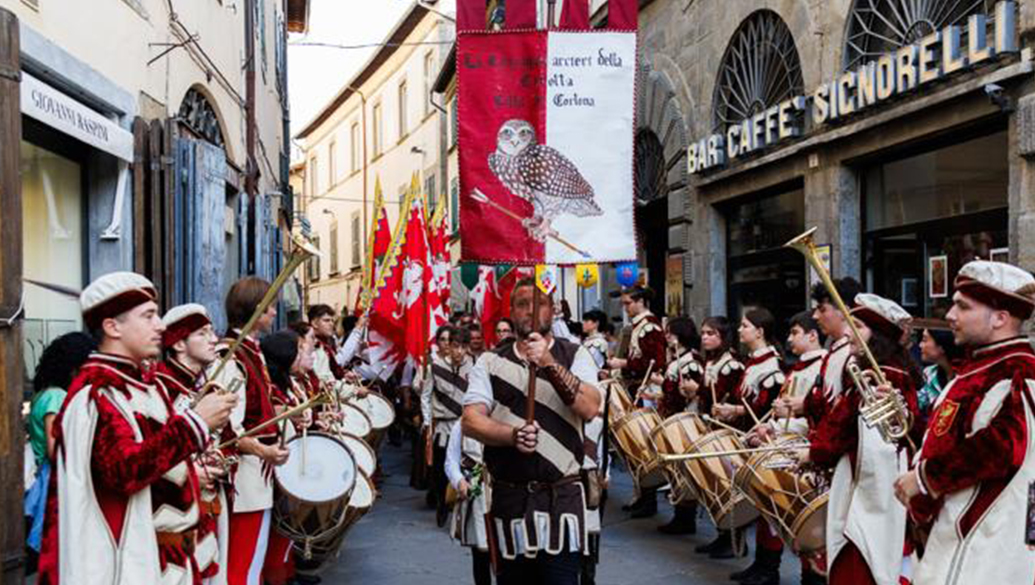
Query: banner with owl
x=546, y=127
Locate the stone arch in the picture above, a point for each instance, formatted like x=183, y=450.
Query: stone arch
x=662, y=131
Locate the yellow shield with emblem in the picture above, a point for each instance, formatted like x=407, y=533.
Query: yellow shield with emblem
x=586, y=275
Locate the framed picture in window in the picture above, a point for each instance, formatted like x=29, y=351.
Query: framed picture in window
x=938, y=277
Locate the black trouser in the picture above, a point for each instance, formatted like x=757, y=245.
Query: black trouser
x=591, y=560
x=544, y=569
x=482, y=567
x=438, y=475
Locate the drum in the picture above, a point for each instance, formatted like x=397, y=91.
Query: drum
x=674, y=436
x=618, y=402
x=795, y=502
x=359, y=504
x=381, y=414
x=366, y=459
x=314, y=488
x=632, y=436
x=713, y=478
x=355, y=421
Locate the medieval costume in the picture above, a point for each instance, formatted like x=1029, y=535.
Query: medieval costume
x=442, y=399
x=977, y=463
x=464, y=462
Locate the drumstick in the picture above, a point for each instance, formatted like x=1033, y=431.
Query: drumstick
x=715, y=422
x=305, y=433
x=639, y=391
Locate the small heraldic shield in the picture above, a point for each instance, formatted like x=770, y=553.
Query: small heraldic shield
x=945, y=417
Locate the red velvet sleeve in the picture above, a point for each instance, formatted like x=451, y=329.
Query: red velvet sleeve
x=768, y=390
x=815, y=405
x=995, y=452
x=652, y=347
x=123, y=465
x=672, y=400
x=837, y=433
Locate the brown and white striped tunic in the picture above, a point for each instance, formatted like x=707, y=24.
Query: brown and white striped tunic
x=444, y=391
x=548, y=517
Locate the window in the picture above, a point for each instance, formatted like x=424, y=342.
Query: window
x=429, y=189
x=334, y=246
x=357, y=233
x=314, y=177
x=454, y=205
x=454, y=122
x=354, y=146
x=314, y=262
x=332, y=158
x=378, y=129
x=53, y=241
x=403, y=122
x=429, y=80
x=402, y=199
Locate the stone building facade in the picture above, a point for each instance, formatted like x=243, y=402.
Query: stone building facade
x=903, y=190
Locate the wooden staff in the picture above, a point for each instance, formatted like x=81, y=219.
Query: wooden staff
x=533, y=369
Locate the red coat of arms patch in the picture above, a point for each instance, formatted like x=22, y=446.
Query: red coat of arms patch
x=944, y=418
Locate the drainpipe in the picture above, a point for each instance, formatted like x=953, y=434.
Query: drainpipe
x=251, y=169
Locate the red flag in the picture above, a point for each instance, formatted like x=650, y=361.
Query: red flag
x=520, y=14
x=622, y=14
x=575, y=15
x=413, y=303
x=470, y=15
x=487, y=303
x=441, y=276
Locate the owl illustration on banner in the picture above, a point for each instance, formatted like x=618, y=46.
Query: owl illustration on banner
x=542, y=176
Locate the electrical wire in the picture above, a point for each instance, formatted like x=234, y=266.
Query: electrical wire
x=366, y=45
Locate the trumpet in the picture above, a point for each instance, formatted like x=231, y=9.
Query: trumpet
x=302, y=250
x=888, y=412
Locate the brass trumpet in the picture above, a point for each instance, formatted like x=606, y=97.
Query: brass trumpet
x=887, y=412
x=302, y=250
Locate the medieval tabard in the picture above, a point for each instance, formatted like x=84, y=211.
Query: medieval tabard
x=721, y=378
x=862, y=510
x=646, y=345
x=125, y=508
x=253, y=489
x=759, y=385
x=597, y=346
x=831, y=374
x=688, y=367
x=801, y=381
x=442, y=397
x=975, y=469
x=178, y=383
x=325, y=361
x=538, y=503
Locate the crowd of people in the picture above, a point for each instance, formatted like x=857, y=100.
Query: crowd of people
x=154, y=450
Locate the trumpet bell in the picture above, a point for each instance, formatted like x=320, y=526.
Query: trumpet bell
x=306, y=246
x=803, y=241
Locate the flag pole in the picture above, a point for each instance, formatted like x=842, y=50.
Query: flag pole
x=533, y=369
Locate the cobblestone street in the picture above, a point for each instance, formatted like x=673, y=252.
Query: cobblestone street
x=398, y=543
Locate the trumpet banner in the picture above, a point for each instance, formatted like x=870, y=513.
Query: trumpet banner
x=546, y=127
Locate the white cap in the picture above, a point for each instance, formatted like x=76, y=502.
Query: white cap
x=999, y=285
x=114, y=294
x=882, y=314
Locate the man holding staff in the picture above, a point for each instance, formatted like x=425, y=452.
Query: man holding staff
x=535, y=466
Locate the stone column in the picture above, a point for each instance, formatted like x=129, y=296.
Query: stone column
x=833, y=205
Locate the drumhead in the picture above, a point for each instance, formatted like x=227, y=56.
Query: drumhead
x=363, y=453
x=328, y=473
x=355, y=421
x=378, y=409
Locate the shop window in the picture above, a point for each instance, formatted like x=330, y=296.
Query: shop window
x=928, y=213
x=760, y=271
x=52, y=249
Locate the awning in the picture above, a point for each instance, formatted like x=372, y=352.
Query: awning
x=63, y=113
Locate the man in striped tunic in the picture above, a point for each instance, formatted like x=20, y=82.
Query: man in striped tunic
x=538, y=512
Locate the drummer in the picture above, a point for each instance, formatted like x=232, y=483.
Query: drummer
x=680, y=383
x=287, y=357
x=722, y=373
x=805, y=341
x=646, y=354
x=762, y=380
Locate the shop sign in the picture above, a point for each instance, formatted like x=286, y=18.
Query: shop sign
x=61, y=112
x=933, y=57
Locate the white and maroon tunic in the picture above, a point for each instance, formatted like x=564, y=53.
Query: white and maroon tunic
x=977, y=459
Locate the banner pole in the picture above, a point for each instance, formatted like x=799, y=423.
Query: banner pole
x=533, y=370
